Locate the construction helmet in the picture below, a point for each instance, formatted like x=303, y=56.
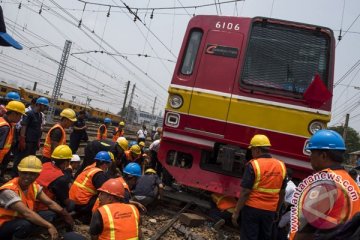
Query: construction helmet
x=150, y=170
x=135, y=149
x=121, y=124
x=141, y=144
x=16, y=106
x=113, y=187
x=43, y=101
x=12, y=96
x=103, y=156
x=75, y=158
x=69, y=114
x=260, y=140
x=123, y=143
x=62, y=152
x=112, y=156
x=326, y=139
x=133, y=169
x=107, y=120
x=30, y=164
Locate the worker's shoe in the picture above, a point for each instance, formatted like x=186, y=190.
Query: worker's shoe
x=219, y=224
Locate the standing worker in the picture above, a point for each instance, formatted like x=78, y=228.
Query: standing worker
x=119, y=131
x=79, y=132
x=114, y=219
x=142, y=134
x=30, y=132
x=14, y=111
x=17, y=199
x=262, y=192
x=339, y=205
x=57, y=135
x=103, y=129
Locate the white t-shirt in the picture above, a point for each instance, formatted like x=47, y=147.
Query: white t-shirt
x=289, y=191
x=155, y=145
x=142, y=133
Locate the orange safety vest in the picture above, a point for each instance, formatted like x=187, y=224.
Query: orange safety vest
x=83, y=189
x=104, y=135
x=224, y=203
x=97, y=202
x=47, y=145
x=129, y=157
x=28, y=199
x=120, y=222
x=48, y=174
x=269, y=176
x=9, y=138
x=355, y=205
x=117, y=134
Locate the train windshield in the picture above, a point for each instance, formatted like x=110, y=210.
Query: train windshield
x=284, y=59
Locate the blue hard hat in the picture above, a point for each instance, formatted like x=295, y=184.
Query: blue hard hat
x=43, y=101
x=133, y=169
x=131, y=143
x=107, y=120
x=103, y=156
x=12, y=96
x=326, y=139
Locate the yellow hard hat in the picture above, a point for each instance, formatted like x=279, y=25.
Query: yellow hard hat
x=69, y=114
x=123, y=143
x=62, y=152
x=141, y=144
x=121, y=123
x=135, y=149
x=150, y=170
x=260, y=140
x=30, y=164
x=16, y=106
x=112, y=156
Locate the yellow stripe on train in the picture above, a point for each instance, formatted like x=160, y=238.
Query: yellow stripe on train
x=238, y=111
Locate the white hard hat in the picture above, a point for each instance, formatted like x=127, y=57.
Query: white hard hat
x=75, y=158
x=120, y=138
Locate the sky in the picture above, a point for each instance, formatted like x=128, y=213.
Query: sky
x=145, y=51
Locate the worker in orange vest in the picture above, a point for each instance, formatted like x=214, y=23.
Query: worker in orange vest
x=338, y=195
x=56, y=135
x=55, y=182
x=103, y=129
x=115, y=219
x=17, y=199
x=262, y=192
x=118, y=132
x=84, y=189
x=132, y=155
x=223, y=209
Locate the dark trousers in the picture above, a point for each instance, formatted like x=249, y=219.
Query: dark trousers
x=30, y=149
x=75, y=139
x=256, y=224
x=84, y=211
x=22, y=228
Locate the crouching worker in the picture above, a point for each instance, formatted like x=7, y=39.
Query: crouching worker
x=114, y=219
x=148, y=188
x=222, y=209
x=17, y=199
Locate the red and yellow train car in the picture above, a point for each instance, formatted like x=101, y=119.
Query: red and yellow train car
x=237, y=77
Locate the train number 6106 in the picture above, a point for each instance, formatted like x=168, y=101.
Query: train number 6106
x=227, y=25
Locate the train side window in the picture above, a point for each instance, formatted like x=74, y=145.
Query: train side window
x=179, y=159
x=192, y=49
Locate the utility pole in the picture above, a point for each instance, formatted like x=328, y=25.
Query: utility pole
x=346, y=126
x=35, y=85
x=129, y=108
x=153, y=110
x=59, y=77
x=126, y=95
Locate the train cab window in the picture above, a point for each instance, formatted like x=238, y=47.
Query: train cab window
x=192, y=49
x=225, y=159
x=179, y=159
x=284, y=59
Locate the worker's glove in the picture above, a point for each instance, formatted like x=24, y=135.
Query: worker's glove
x=67, y=218
x=22, y=144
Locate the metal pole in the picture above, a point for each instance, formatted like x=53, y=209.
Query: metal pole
x=129, y=112
x=35, y=85
x=346, y=126
x=126, y=95
x=153, y=110
x=59, y=77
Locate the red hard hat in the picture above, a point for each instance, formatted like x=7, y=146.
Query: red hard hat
x=114, y=187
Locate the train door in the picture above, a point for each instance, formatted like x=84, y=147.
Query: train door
x=214, y=82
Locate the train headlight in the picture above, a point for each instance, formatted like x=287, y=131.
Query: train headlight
x=175, y=101
x=316, y=126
